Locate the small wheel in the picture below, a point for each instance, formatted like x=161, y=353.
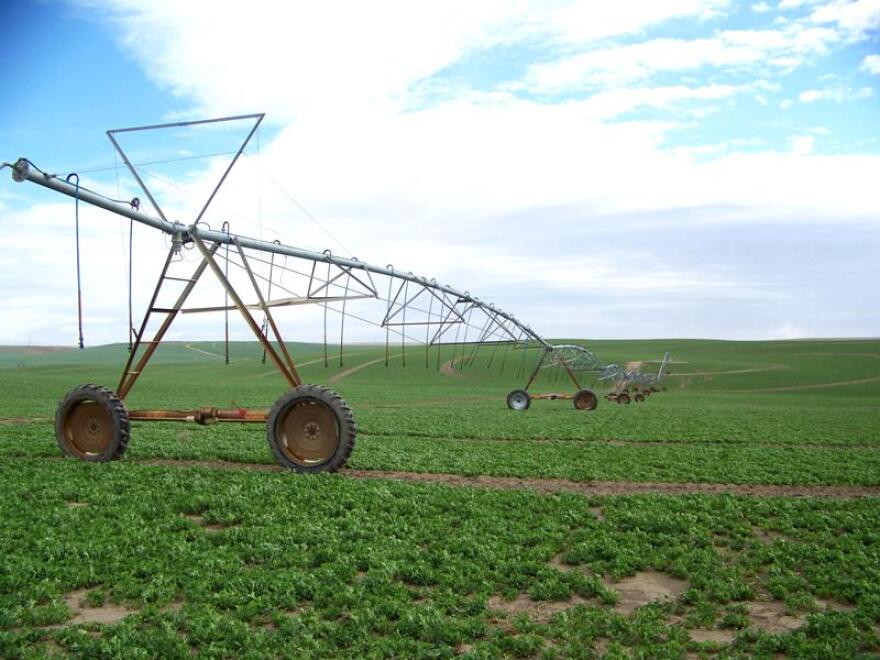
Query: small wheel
x=623, y=398
x=585, y=400
x=640, y=398
x=518, y=400
x=91, y=423
x=311, y=429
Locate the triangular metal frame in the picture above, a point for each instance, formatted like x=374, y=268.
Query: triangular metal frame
x=111, y=134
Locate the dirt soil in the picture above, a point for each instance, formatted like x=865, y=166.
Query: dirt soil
x=82, y=612
x=538, y=610
x=559, y=485
x=646, y=587
x=201, y=522
x=448, y=369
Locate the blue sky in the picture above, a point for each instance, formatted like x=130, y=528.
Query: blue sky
x=699, y=168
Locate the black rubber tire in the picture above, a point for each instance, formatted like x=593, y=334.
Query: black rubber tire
x=585, y=400
x=112, y=414
x=640, y=398
x=519, y=400
x=623, y=398
x=346, y=428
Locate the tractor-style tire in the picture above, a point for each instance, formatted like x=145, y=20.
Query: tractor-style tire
x=91, y=424
x=623, y=398
x=640, y=397
x=519, y=400
x=311, y=429
x=585, y=400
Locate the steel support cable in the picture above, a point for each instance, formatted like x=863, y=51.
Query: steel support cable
x=225, y=229
x=403, y=311
x=107, y=168
x=333, y=309
x=327, y=284
x=464, y=340
x=268, y=294
x=342, y=319
x=428, y=330
x=130, y=280
x=297, y=204
x=78, y=277
x=326, y=361
x=134, y=202
x=370, y=322
x=387, y=314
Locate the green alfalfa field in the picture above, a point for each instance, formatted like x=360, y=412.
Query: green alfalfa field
x=735, y=514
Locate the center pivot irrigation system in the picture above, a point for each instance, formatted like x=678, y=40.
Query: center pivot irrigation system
x=309, y=428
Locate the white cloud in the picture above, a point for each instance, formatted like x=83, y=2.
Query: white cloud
x=616, y=102
x=467, y=186
x=760, y=7
x=857, y=18
x=812, y=95
x=785, y=104
x=802, y=145
x=620, y=65
x=871, y=64
x=838, y=95
x=795, y=4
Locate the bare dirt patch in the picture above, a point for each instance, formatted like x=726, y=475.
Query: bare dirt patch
x=644, y=588
x=716, y=635
x=204, y=524
x=537, y=610
x=448, y=369
x=767, y=536
x=601, y=488
x=559, y=564
x=834, y=606
x=82, y=612
x=772, y=616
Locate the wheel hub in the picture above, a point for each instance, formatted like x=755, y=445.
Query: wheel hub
x=308, y=433
x=88, y=428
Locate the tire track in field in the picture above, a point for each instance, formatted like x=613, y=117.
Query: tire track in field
x=615, y=442
x=352, y=370
x=751, y=370
x=203, y=352
x=813, y=386
x=596, y=488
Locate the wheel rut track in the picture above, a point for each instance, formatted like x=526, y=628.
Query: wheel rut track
x=549, y=486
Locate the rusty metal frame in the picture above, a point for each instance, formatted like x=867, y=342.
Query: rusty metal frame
x=287, y=367
x=129, y=375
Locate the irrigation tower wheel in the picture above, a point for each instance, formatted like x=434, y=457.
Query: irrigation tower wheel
x=623, y=398
x=519, y=400
x=640, y=397
x=311, y=429
x=585, y=400
x=91, y=423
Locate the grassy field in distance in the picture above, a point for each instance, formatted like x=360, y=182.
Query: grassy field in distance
x=195, y=544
